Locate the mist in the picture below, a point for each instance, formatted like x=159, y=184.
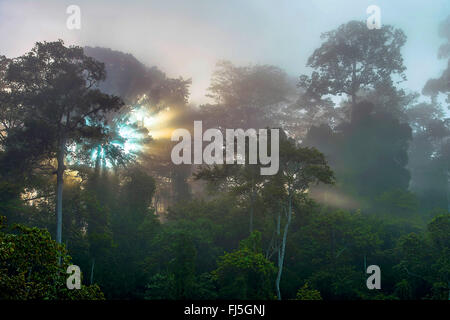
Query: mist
x=99, y=126
x=187, y=38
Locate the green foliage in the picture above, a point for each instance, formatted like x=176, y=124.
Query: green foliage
x=425, y=262
x=306, y=293
x=56, y=88
x=245, y=273
x=10, y=204
x=29, y=267
x=376, y=166
x=161, y=286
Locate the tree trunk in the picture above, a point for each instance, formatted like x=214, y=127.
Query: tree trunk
x=92, y=271
x=353, y=99
x=354, y=87
x=365, y=264
x=283, y=248
x=448, y=196
x=252, y=204
x=277, y=282
x=59, y=188
x=97, y=160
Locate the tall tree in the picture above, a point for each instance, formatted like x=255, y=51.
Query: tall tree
x=352, y=58
x=434, y=87
x=428, y=159
x=441, y=85
x=300, y=167
x=131, y=80
x=245, y=95
x=369, y=154
x=56, y=86
x=244, y=182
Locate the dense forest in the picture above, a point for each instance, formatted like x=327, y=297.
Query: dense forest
x=86, y=177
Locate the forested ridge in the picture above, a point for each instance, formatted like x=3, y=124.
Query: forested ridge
x=86, y=177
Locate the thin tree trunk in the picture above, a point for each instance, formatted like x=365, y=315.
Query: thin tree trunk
x=353, y=91
x=448, y=196
x=365, y=264
x=97, y=160
x=283, y=248
x=277, y=282
x=92, y=271
x=28, y=280
x=354, y=88
x=59, y=189
x=252, y=203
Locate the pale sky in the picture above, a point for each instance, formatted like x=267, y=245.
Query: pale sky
x=186, y=38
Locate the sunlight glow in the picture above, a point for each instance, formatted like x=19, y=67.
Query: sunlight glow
x=130, y=135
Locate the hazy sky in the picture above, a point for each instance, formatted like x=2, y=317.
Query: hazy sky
x=186, y=38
